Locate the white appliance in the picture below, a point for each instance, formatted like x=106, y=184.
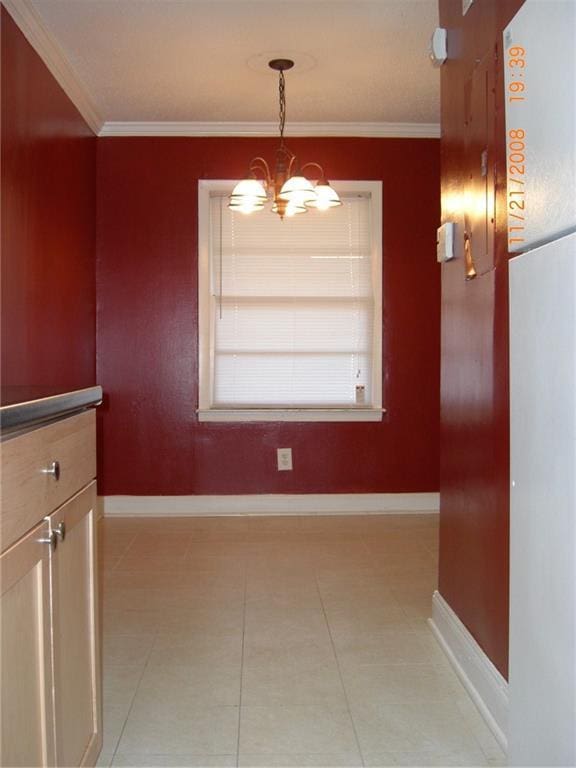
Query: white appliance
x=540, y=97
x=542, y=676
x=542, y=679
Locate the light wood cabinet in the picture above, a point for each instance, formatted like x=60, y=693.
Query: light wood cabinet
x=29, y=488
x=76, y=652
x=27, y=729
x=51, y=690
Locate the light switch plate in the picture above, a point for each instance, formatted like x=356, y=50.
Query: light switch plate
x=439, y=46
x=445, y=242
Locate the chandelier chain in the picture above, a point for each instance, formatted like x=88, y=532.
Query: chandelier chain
x=282, y=95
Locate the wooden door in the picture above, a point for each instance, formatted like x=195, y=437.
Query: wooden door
x=26, y=706
x=75, y=631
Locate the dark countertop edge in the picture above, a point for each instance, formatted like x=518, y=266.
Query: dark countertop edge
x=21, y=415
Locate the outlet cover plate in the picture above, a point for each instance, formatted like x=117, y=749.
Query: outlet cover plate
x=284, y=456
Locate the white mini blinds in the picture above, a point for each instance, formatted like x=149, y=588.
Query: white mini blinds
x=294, y=309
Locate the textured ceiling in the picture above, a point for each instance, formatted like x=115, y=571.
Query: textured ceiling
x=205, y=60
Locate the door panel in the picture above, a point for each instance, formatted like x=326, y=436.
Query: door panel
x=27, y=735
x=76, y=652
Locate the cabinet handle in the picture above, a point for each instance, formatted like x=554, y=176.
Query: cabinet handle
x=60, y=530
x=53, y=469
x=52, y=540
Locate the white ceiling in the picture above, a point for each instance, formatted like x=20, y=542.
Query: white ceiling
x=360, y=61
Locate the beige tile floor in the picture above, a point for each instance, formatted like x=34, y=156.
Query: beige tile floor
x=279, y=641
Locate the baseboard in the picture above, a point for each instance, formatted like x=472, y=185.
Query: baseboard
x=271, y=504
x=99, y=508
x=486, y=686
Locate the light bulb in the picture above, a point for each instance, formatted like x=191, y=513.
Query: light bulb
x=249, y=188
x=248, y=196
x=245, y=205
x=297, y=189
x=291, y=209
x=326, y=197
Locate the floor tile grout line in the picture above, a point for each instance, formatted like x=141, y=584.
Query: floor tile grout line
x=132, y=540
x=373, y=556
x=144, y=668
x=242, y=663
x=339, y=670
x=137, y=686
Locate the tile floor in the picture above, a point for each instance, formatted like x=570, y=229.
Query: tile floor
x=279, y=641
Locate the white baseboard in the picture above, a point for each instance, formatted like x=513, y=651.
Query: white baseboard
x=271, y=504
x=486, y=686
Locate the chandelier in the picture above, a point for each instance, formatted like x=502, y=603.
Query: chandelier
x=287, y=188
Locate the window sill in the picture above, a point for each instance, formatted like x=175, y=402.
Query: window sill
x=291, y=414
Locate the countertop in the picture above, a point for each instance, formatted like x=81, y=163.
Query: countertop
x=24, y=406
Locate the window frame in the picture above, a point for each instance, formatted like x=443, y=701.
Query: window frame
x=206, y=410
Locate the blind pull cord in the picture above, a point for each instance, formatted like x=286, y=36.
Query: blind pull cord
x=220, y=267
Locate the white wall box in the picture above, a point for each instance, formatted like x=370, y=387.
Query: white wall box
x=50, y=647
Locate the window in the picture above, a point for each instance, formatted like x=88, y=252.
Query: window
x=290, y=319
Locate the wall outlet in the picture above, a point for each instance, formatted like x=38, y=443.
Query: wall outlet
x=284, y=459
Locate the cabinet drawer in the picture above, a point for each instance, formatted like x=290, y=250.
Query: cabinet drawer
x=29, y=492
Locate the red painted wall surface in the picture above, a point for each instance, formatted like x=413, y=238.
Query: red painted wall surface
x=474, y=474
x=147, y=345
x=48, y=227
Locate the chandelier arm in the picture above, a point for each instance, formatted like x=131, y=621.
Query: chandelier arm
x=260, y=164
x=315, y=165
x=291, y=164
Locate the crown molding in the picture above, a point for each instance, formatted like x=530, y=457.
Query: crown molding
x=34, y=30
x=197, y=129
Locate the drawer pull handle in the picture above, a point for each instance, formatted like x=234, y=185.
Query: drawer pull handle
x=60, y=530
x=52, y=540
x=53, y=469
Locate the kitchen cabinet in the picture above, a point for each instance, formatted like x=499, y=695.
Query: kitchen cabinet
x=51, y=689
x=75, y=631
x=27, y=736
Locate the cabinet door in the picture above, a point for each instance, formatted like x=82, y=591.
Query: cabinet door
x=27, y=722
x=75, y=631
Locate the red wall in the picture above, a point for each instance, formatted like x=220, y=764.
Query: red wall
x=474, y=475
x=147, y=344
x=48, y=227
